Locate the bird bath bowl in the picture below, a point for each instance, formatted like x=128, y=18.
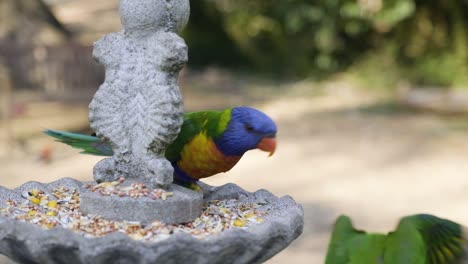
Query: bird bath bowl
x=236, y=227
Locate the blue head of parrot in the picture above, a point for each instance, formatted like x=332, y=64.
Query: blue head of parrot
x=248, y=129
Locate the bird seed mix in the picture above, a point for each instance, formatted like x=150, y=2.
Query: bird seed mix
x=61, y=209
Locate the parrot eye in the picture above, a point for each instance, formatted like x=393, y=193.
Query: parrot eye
x=249, y=128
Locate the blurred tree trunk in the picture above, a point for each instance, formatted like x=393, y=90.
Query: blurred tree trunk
x=459, y=33
x=30, y=22
x=5, y=107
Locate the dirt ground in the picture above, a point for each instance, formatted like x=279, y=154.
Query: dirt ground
x=341, y=151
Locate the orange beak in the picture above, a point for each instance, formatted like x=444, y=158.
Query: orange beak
x=267, y=144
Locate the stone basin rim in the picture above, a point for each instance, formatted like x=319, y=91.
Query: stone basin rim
x=285, y=218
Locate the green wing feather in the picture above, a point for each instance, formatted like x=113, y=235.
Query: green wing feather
x=213, y=123
x=443, y=238
x=351, y=246
x=343, y=232
x=425, y=239
x=418, y=239
x=89, y=144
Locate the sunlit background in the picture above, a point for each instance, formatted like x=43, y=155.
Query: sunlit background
x=370, y=97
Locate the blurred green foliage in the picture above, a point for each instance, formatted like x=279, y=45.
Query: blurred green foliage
x=425, y=40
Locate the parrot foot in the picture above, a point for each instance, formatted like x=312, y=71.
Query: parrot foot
x=194, y=186
x=182, y=179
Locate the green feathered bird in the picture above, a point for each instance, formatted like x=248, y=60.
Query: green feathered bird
x=418, y=239
x=209, y=142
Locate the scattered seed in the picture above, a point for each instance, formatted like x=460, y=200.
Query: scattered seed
x=52, y=204
x=34, y=192
x=239, y=223
x=51, y=213
x=63, y=211
x=135, y=190
x=35, y=200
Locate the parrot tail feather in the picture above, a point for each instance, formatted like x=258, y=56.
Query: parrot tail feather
x=89, y=144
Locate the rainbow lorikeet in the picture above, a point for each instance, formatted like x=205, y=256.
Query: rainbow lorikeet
x=418, y=239
x=209, y=142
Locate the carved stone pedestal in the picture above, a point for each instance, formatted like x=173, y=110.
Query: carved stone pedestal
x=139, y=111
x=182, y=206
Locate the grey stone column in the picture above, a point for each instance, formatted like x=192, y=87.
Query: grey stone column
x=138, y=109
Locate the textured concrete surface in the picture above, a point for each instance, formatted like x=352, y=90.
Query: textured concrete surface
x=183, y=206
x=139, y=109
x=140, y=15
x=26, y=243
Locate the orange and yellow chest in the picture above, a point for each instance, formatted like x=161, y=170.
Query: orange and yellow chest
x=200, y=158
